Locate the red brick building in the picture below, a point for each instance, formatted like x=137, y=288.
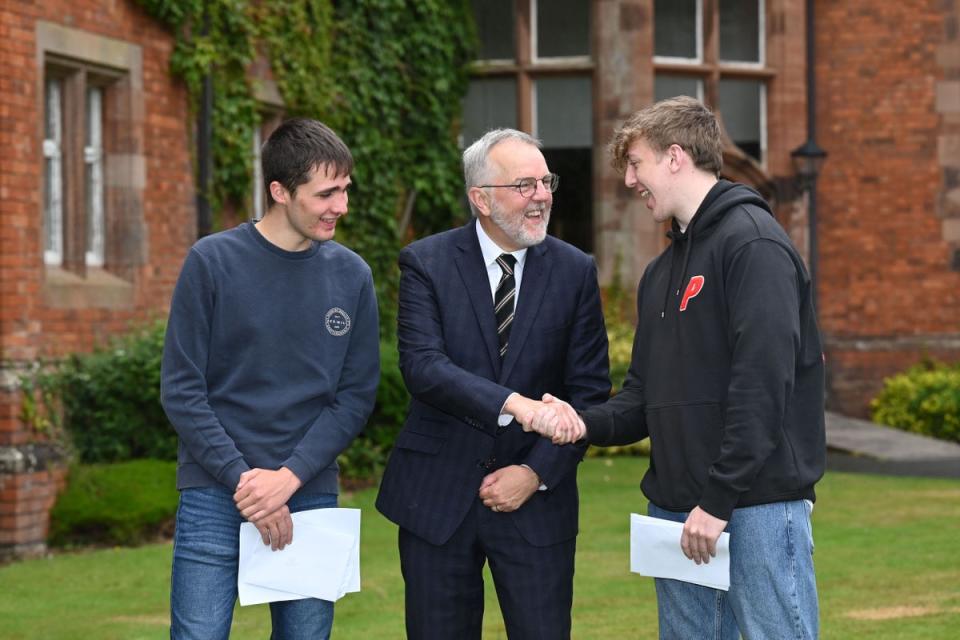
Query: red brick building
x=887, y=84
x=96, y=207
x=97, y=190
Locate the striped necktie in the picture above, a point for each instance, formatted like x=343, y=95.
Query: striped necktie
x=503, y=300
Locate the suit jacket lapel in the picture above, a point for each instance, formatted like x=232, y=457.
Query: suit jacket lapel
x=533, y=286
x=473, y=272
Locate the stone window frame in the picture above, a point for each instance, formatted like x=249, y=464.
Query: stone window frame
x=81, y=58
x=710, y=69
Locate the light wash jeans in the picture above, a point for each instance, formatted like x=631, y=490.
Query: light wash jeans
x=773, y=592
x=206, y=549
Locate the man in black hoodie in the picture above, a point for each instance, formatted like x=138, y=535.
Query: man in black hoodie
x=726, y=379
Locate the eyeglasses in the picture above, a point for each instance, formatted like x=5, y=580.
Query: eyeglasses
x=526, y=187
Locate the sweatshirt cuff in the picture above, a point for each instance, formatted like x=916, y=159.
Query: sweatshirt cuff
x=299, y=468
x=230, y=476
x=719, y=501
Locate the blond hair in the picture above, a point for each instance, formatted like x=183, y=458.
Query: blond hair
x=683, y=121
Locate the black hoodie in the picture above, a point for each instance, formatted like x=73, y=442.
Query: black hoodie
x=727, y=371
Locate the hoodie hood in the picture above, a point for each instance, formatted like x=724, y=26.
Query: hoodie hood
x=723, y=197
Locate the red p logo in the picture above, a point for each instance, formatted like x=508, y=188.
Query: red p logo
x=694, y=287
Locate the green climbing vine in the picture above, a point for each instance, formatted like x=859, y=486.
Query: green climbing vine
x=388, y=75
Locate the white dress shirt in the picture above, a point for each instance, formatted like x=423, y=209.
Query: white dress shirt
x=491, y=252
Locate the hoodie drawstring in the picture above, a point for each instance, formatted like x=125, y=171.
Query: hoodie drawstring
x=683, y=270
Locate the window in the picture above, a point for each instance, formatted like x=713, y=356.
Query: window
x=93, y=239
x=74, y=203
x=53, y=174
x=535, y=55
x=715, y=50
x=259, y=200
x=270, y=118
x=93, y=159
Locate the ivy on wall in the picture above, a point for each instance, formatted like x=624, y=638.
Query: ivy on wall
x=387, y=75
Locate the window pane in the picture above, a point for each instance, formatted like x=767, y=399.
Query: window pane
x=740, y=30
x=258, y=196
x=571, y=218
x=742, y=109
x=494, y=19
x=93, y=161
x=564, y=111
x=490, y=103
x=668, y=86
x=564, y=121
x=675, y=28
x=563, y=28
x=53, y=175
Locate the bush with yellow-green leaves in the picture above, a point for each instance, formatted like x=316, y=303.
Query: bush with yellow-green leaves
x=924, y=399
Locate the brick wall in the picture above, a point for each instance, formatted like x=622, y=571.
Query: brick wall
x=45, y=313
x=888, y=292
x=30, y=479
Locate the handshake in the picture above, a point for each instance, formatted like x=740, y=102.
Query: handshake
x=552, y=418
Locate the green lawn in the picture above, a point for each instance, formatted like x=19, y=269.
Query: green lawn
x=887, y=567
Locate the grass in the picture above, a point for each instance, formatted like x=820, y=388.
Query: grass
x=887, y=568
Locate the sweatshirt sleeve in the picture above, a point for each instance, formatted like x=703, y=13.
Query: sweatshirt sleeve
x=183, y=386
x=339, y=423
x=763, y=300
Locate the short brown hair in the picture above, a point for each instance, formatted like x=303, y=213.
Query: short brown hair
x=296, y=149
x=683, y=121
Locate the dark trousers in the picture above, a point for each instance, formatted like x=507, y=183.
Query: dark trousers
x=444, y=584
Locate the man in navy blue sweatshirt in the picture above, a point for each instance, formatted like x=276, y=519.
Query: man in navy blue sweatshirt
x=270, y=369
x=727, y=380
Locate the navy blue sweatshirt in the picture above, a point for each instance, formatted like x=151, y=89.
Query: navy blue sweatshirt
x=271, y=359
x=727, y=373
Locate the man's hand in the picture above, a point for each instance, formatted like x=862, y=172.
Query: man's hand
x=508, y=488
x=276, y=529
x=520, y=407
x=556, y=420
x=260, y=492
x=700, y=534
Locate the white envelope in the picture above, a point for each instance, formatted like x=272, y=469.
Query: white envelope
x=655, y=552
x=322, y=562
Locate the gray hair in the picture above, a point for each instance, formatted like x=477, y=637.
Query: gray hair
x=476, y=168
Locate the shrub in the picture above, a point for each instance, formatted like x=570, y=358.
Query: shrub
x=122, y=503
x=924, y=399
x=363, y=462
x=110, y=399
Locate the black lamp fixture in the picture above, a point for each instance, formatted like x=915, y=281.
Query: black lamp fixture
x=808, y=160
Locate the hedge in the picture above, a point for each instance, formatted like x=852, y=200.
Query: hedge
x=924, y=399
x=120, y=503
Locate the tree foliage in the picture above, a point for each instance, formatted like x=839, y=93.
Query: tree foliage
x=387, y=75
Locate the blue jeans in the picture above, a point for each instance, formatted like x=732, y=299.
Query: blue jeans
x=773, y=592
x=206, y=549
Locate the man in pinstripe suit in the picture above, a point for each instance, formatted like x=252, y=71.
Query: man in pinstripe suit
x=493, y=315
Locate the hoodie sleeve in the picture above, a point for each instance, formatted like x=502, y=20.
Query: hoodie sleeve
x=763, y=300
x=622, y=419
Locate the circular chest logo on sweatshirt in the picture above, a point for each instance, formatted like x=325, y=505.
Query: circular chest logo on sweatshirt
x=337, y=321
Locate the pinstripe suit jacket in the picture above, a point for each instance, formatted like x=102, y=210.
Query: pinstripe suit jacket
x=451, y=365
